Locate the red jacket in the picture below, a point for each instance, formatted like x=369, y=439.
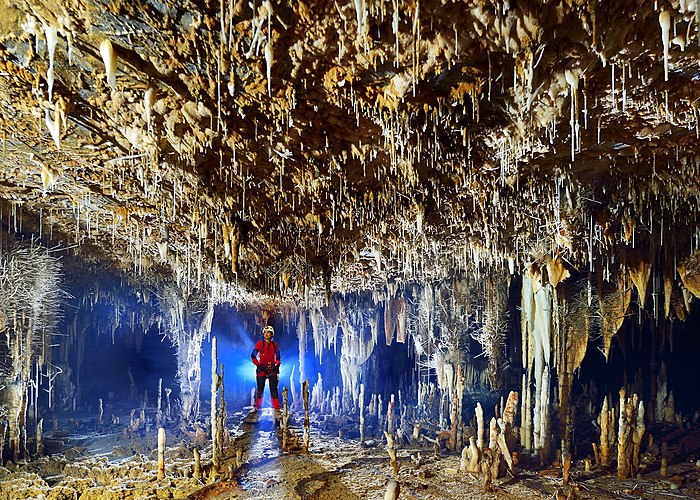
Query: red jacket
x=266, y=356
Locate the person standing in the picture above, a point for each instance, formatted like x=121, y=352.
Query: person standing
x=266, y=358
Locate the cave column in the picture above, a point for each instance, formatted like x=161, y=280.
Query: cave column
x=537, y=309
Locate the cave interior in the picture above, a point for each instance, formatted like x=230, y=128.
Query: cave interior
x=473, y=226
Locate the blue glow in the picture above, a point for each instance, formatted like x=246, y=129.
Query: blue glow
x=234, y=346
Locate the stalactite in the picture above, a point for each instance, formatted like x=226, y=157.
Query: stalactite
x=187, y=331
x=492, y=335
x=639, y=267
x=302, y=336
x=399, y=312
x=613, y=307
x=389, y=321
x=689, y=272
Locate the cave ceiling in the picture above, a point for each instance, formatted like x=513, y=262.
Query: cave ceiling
x=283, y=144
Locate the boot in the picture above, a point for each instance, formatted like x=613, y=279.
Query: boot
x=276, y=403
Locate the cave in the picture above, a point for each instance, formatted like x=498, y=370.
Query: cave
x=459, y=237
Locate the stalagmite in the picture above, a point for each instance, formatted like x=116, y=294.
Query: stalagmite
x=493, y=434
x=161, y=453
x=639, y=430
x=470, y=457
x=528, y=356
x=505, y=450
x=390, y=447
x=3, y=435
x=630, y=434
x=623, y=438
x=362, y=413
x=486, y=470
x=607, y=432
x=99, y=414
x=663, y=470
x=392, y=490
x=39, y=438
x=168, y=390
x=221, y=426
x=307, y=429
x=197, y=465
x=566, y=467
x=285, y=417
x=159, y=412
x=670, y=411
x=479, y=427
x=214, y=393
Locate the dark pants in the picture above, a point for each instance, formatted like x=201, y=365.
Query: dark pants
x=261, y=377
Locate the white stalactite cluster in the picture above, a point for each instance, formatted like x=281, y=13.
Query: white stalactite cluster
x=431, y=320
x=537, y=310
x=189, y=322
x=30, y=300
x=492, y=332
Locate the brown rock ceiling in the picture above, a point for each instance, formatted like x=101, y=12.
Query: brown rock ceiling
x=300, y=142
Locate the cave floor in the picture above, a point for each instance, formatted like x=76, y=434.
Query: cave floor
x=121, y=465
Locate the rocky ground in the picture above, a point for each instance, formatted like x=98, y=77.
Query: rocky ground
x=122, y=465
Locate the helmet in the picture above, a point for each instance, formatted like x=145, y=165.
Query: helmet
x=269, y=328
